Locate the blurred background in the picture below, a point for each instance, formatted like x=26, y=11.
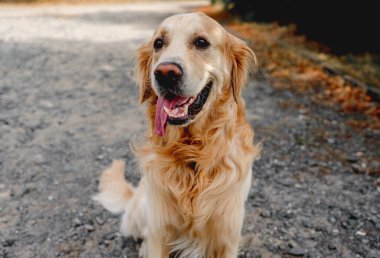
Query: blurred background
x=346, y=27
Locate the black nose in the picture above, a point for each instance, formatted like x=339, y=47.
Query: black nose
x=168, y=75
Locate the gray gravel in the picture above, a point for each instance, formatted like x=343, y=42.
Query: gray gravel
x=68, y=107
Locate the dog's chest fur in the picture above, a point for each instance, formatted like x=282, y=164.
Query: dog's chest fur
x=185, y=182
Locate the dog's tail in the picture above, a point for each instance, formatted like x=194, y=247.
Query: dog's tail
x=114, y=190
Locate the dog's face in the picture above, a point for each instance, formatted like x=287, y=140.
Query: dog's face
x=188, y=64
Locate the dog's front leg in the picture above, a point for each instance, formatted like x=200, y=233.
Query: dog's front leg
x=157, y=247
x=227, y=230
x=230, y=248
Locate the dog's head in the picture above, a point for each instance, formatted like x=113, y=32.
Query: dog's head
x=191, y=62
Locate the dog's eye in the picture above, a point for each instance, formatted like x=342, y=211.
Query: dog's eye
x=158, y=44
x=201, y=43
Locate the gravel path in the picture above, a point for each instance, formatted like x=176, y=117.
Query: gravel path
x=68, y=107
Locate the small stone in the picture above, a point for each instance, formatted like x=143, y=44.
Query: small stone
x=348, y=224
x=331, y=140
x=120, y=242
x=39, y=159
x=100, y=220
x=265, y=214
x=354, y=215
x=25, y=191
x=73, y=232
x=302, y=117
x=8, y=242
x=297, y=251
x=288, y=214
x=335, y=232
x=77, y=222
x=283, y=231
x=271, y=247
x=331, y=246
x=282, y=247
x=306, y=223
x=46, y=104
x=89, y=228
x=110, y=236
x=360, y=233
x=312, y=163
x=352, y=159
x=365, y=241
x=359, y=154
x=357, y=168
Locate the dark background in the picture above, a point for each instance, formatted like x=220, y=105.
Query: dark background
x=344, y=26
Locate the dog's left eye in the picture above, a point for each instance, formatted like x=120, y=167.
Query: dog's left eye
x=158, y=44
x=201, y=43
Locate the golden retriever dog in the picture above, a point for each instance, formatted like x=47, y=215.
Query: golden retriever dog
x=196, y=161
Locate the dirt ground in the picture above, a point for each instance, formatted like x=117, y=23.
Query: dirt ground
x=68, y=107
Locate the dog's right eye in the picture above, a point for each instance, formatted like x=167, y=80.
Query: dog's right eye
x=158, y=44
x=201, y=43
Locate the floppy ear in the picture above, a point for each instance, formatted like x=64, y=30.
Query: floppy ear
x=143, y=66
x=242, y=60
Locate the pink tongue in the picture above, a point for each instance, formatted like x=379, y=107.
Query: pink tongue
x=161, y=116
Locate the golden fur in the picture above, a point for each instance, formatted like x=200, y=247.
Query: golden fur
x=195, y=179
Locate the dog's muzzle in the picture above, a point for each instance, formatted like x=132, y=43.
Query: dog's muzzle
x=168, y=77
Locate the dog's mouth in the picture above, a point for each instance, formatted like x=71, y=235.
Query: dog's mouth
x=179, y=110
